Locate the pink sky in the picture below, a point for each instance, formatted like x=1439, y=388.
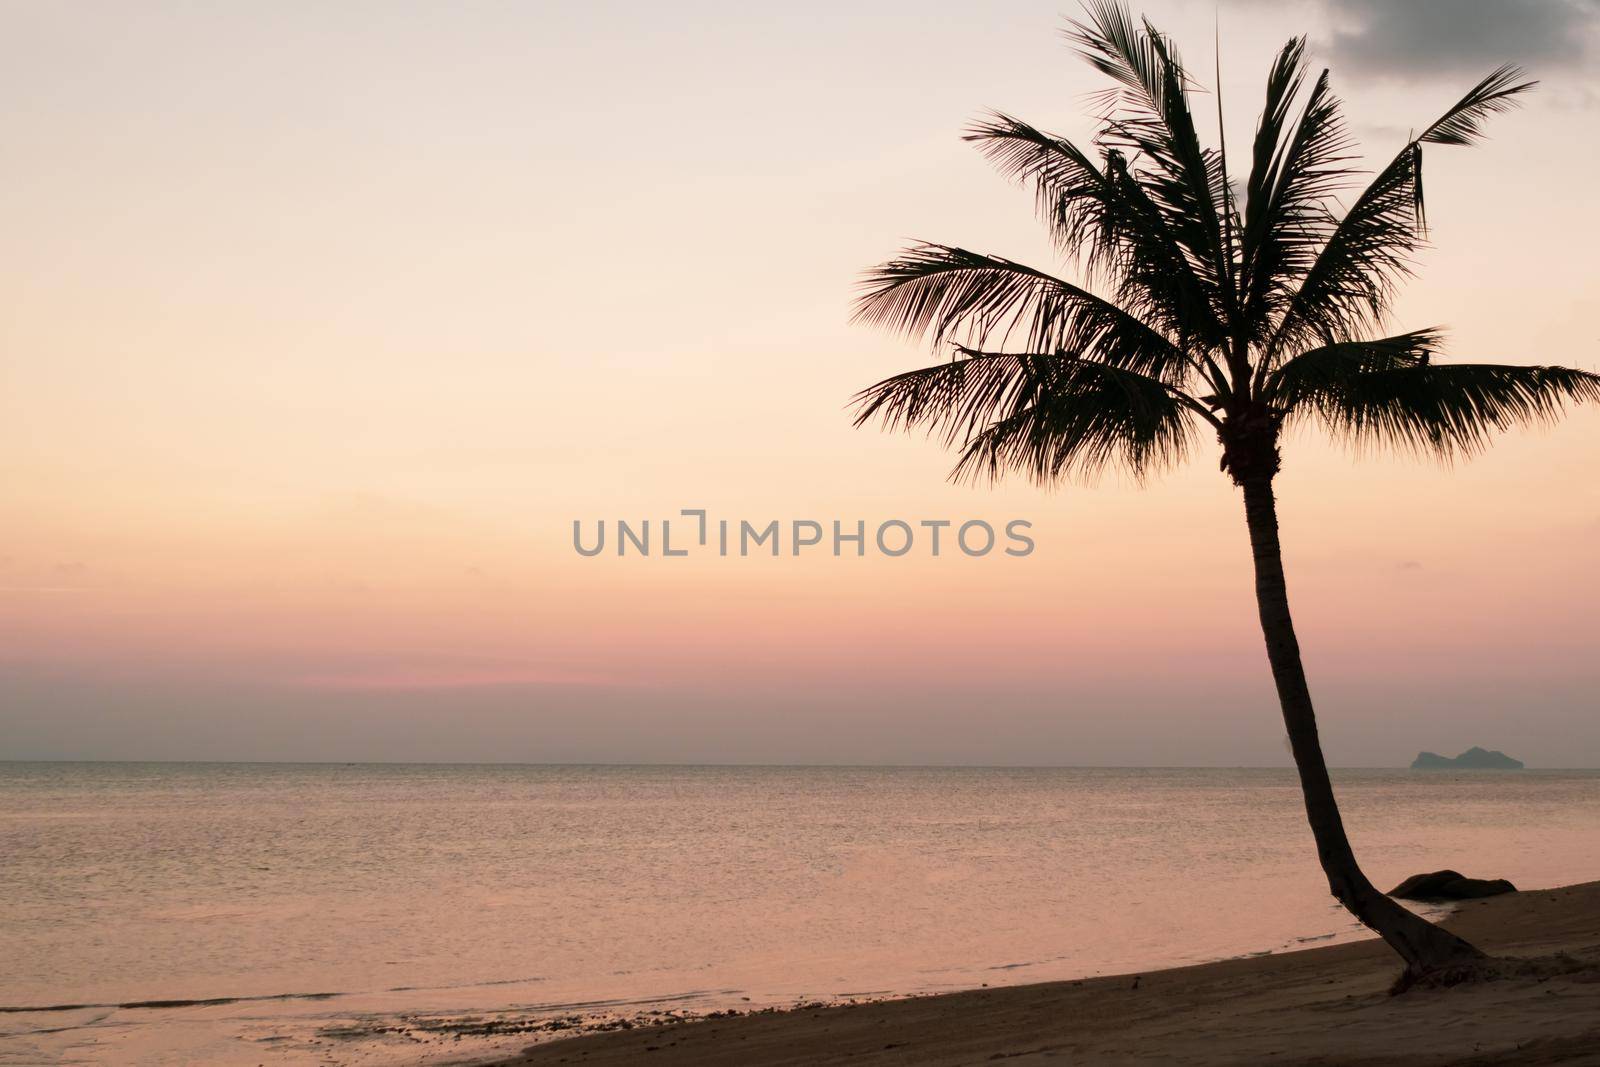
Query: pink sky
x=322, y=327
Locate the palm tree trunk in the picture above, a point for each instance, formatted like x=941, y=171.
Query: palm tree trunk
x=1424, y=946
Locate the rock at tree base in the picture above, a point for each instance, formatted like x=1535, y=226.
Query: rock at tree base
x=1450, y=885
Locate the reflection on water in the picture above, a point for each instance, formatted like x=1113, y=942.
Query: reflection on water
x=540, y=890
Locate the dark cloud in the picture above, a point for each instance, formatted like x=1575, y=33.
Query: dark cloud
x=1413, y=39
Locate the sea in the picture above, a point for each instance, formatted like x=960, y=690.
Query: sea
x=260, y=914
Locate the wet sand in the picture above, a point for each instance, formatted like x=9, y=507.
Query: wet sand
x=1319, y=1006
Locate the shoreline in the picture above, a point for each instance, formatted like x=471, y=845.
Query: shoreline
x=1321, y=1005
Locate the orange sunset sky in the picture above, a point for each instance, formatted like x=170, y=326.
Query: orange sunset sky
x=321, y=325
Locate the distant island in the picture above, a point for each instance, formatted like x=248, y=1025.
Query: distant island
x=1473, y=759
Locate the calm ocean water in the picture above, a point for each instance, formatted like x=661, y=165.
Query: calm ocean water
x=513, y=892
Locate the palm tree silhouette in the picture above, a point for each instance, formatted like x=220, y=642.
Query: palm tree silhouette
x=1241, y=311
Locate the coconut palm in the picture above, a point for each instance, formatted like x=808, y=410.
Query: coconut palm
x=1202, y=305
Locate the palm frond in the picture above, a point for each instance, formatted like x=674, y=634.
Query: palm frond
x=1284, y=83
x=1072, y=193
x=1104, y=219
x=1329, y=364
x=1147, y=119
x=1047, y=416
x=1116, y=45
x=1389, y=392
x=1463, y=123
x=945, y=293
x=1347, y=290
x=1296, y=172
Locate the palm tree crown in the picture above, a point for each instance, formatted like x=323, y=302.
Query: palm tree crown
x=1199, y=304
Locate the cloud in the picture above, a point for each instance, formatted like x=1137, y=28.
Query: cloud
x=358, y=681
x=1411, y=40
x=428, y=670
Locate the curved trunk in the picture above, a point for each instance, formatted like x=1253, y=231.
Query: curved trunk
x=1421, y=944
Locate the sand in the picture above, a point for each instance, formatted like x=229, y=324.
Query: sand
x=1320, y=1006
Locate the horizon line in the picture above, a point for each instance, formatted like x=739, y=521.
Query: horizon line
x=691, y=764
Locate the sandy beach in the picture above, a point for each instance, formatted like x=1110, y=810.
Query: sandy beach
x=1319, y=1006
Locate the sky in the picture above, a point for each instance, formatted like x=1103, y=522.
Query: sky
x=320, y=325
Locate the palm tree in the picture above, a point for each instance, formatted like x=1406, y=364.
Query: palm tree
x=1203, y=305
